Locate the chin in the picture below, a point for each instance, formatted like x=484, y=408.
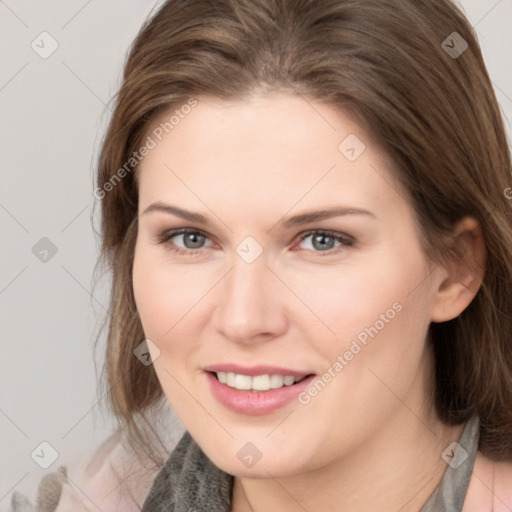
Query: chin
x=255, y=460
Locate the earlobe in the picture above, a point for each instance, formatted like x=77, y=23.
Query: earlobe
x=463, y=271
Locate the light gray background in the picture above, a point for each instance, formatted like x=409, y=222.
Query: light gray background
x=53, y=112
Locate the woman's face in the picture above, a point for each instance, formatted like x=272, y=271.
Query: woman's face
x=265, y=290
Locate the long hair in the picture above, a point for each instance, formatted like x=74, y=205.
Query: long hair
x=412, y=74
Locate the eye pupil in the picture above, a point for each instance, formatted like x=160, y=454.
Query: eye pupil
x=195, y=238
x=320, y=239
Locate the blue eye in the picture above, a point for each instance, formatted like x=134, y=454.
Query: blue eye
x=325, y=241
x=193, y=241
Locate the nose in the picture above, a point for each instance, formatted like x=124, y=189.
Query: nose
x=250, y=303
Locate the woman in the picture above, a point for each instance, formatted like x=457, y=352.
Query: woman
x=304, y=207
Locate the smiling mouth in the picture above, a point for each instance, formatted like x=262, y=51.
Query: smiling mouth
x=264, y=382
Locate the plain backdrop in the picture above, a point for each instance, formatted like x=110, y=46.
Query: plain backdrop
x=53, y=112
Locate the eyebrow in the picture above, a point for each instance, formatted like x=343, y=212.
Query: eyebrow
x=286, y=223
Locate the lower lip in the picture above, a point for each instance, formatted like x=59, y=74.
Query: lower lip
x=255, y=402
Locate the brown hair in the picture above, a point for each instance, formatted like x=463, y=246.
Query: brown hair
x=389, y=63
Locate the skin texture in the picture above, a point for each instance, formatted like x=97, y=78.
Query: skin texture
x=370, y=436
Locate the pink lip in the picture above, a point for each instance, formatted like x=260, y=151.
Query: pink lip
x=255, y=370
x=255, y=402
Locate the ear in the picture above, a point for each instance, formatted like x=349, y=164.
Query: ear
x=462, y=273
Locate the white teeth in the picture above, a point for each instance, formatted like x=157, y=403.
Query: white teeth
x=243, y=382
x=261, y=382
x=276, y=381
x=230, y=379
x=256, y=383
x=288, y=381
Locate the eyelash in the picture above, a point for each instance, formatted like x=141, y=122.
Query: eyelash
x=165, y=238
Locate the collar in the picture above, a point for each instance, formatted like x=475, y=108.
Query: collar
x=450, y=494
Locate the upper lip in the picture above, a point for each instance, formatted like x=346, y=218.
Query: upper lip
x=255, y=370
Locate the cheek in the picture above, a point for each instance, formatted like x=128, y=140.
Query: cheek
x=381, y=335
x=167, y=299
x=378, y=311
x=166, y=295
x=376, y=357
x=355, y=300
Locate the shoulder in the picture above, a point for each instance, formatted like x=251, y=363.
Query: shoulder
x=112, y=480
x=490, y=486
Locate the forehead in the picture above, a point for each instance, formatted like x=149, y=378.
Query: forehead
x=269, y=149
x=258, y=122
